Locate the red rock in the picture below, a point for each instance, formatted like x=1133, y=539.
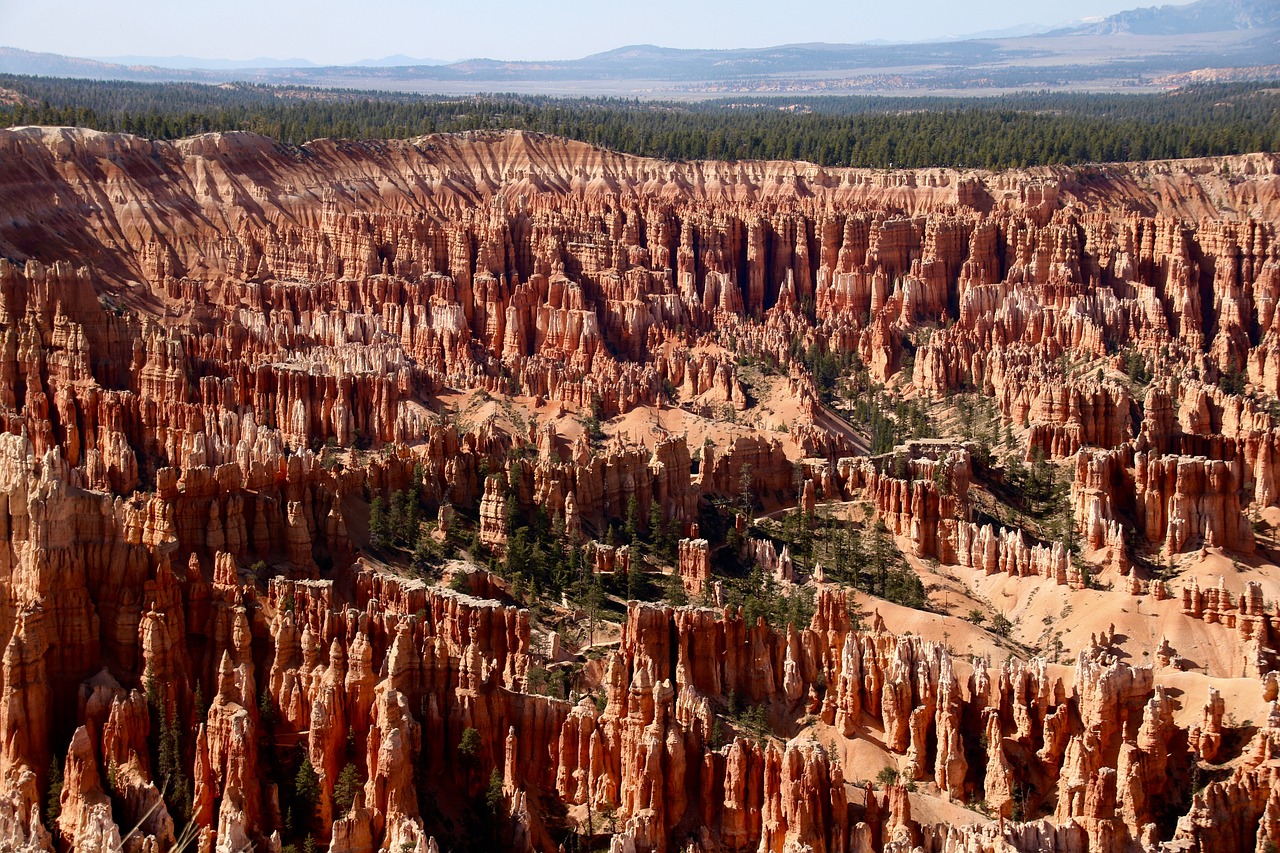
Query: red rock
x=694, y=565
x=1207, y=737
x=85, y=819
x=150, y=457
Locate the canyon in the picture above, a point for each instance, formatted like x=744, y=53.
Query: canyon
x=222, y=358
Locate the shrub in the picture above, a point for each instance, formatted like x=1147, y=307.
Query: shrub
x=887, y=776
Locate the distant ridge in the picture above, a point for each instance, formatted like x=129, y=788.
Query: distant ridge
x=194, y=62
x=16, y=61
x=1203, y=16
x=396, y=61
x=1205, y=41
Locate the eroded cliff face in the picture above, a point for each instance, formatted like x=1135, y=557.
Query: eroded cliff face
x=213, y=353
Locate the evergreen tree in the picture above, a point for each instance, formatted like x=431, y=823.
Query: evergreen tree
x=53, y=800
x=675, y=594
x=171, y=774
x=379, y=528
x=631, y=526
x=857, y=555
x=470, y=743
x=657, y=530
x=345, y=789
x=1015, y=130
x=942, y=475
x=1015, y=471
x=633, y=584
x=882, y=554
x=403, y=522
x=746, y=492
x=592, y=602
x=494, y=796
x=415, y=483
x=306, y=794
x=266, y=709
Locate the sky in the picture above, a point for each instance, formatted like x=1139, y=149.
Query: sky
x=341, y=31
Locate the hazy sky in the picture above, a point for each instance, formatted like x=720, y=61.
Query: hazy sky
x=329, y=31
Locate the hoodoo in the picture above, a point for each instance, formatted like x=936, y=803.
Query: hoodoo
x=498, y=491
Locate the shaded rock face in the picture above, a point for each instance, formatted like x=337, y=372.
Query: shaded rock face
x=213, y=352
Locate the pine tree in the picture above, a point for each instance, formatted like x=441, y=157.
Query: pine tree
x=675, y=593
x=857, y=555
x=493, y=796
x=592, y=600
x=415, y=484
x=469, y=744
x=344, y=791
x=881, y=554
x=657, y=531
x=631, y=525
x=170, y=771
x=379, y=530
x=53, y=801
x=266, y=708
x=399, y=517
x=633, y=584
x=942, y=475
x=746, y=494
x=306, y=793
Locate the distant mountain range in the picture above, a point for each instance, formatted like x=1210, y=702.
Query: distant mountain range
x=1206, y=16
x=1137, y=49
x=193, y=63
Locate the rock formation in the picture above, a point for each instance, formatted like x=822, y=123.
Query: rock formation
x=216, y=353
